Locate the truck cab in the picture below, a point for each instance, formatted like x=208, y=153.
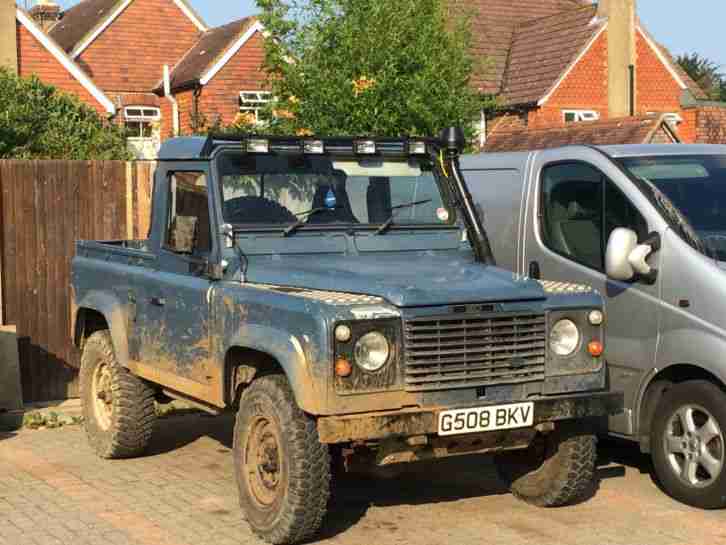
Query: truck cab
x=339, y=294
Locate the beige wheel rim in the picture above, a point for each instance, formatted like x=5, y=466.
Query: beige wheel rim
x=263, y=462
x=102, y=396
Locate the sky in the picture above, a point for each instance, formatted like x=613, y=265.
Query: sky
x=683, y=27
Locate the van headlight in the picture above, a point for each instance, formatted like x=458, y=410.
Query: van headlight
x=564, y=338
x=372, y=351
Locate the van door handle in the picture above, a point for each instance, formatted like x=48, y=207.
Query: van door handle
x=158, y=301
x=534, y=271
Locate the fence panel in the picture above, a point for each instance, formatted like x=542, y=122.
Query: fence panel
x=47, y=206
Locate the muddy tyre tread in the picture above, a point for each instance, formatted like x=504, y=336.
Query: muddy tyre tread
x=306, y=504
x=134, y=413
x=565, y=478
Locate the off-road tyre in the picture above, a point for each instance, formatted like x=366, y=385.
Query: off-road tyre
x=257, y=210
x=708, y=400
x=557, y=469
x=284, y=487
x=122, y=429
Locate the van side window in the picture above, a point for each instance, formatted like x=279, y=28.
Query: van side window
x=188, y=227
x=580, y=209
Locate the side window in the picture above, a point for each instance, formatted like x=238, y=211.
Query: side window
x=580, y=209
x=188, y=226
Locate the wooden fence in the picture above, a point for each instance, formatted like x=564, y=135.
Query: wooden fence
x=47, y=206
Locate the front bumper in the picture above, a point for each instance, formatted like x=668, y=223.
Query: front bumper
x=414, y=422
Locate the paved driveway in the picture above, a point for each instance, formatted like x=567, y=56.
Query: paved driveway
x=53, y=490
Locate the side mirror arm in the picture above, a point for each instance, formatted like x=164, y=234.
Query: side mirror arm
x=638, y=256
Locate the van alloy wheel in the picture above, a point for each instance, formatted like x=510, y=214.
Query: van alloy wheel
x=694, y=446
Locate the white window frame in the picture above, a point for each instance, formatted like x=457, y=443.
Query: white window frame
x=148, y=115
x=254, y=102
x=580, y=115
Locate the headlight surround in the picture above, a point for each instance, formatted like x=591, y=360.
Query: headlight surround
x=372, y=351
x=564, y=338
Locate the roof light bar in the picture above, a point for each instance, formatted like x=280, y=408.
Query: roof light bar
x=258, y=145
x=316, y=147
x=365, y=147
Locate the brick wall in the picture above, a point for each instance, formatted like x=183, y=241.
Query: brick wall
x=585, y=88
x=710, y=124
x=130, y=54
x=219, y=99
x=34, y=59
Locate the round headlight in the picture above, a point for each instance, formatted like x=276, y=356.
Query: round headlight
x=372, y=351
x=564, y=338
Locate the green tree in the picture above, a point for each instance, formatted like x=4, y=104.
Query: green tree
x=347, y=67
x=706, y=73
x=38, y=122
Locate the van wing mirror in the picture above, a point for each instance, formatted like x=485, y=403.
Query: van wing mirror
x=626, y=260
x=184, y=234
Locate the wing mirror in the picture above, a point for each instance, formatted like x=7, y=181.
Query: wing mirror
x=626, y=260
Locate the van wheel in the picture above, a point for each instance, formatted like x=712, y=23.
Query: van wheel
x=556, y=469
x=118, y=408
x=282, y=468
x=687, y=444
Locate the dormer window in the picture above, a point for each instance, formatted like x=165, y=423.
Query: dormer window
x=139, y=121
x=577, y=116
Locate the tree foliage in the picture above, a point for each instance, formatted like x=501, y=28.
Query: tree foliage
x=706, y=73
x=38, y=122
x=351, y=67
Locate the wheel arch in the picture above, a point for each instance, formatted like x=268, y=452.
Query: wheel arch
x=658, y=385
x=92, y=313
x=261, y=350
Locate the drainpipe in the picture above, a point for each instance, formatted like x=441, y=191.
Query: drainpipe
x=170, y=98
x=482, y=130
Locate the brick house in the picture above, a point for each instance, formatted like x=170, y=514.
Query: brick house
x=551, y=63
x=114, y=55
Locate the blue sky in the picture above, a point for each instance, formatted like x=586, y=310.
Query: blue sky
x=678, y=27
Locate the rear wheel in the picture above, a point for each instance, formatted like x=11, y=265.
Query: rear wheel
x=118, y=408
x=557, y=469
x=687, y=443
x=282, y=469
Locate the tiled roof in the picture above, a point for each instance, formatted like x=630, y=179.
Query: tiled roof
x=493, y=25
x=80, y=20
x=208, y=50
x=630, y=130
x=543, y=49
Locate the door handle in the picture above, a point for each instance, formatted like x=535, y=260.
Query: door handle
x=534, y=271
x=158, y=301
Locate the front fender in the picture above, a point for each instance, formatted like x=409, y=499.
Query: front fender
x=290, y=353
x=116, y=317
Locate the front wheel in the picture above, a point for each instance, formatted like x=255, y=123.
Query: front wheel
x=687, y=444
x=282, y=469
x=557, y=469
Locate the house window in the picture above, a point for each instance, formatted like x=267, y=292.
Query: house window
x=576, y=116
x=140, y=121
x=253, y=103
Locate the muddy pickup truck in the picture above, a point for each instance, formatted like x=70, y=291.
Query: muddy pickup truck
x=329, y=291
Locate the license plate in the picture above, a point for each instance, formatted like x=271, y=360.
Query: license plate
x=500, y=417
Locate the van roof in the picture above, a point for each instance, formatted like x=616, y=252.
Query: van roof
x=518, y=159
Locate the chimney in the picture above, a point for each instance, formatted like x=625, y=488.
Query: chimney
x=621, y=16
x=8, y=36
x=46, y=13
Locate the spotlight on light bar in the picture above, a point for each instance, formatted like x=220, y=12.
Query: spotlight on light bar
x=365, y=147
x=314, y=146
x=417, y=147
x=258, y=145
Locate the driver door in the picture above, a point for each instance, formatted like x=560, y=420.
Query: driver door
x=578, y=206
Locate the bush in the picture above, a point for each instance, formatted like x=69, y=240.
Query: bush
x=39, y=122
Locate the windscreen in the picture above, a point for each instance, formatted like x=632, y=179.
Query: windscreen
x=330, y=191
x=696, y=186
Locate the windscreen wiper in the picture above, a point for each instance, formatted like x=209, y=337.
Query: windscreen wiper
x=392, y=220
x=304, y=217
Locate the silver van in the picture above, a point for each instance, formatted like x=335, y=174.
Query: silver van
x=646, y=226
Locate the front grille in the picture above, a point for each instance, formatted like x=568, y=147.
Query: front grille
x=447, y=352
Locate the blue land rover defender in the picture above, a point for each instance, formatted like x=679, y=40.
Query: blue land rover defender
x=341, y=296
